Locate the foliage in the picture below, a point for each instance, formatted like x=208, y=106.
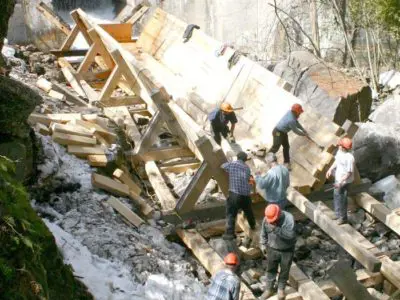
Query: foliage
x=31, y=266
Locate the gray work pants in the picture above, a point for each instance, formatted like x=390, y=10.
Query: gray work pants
x=340, y=201
x=276, y=258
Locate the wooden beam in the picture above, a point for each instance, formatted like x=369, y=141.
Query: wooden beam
x=83, y=152
x=149, y=134
x=367, y=259
x=70, y=97
x=47, y=119
x=344, y=277
x=111, y=84
x=88, y=60
x=181, y=166
x=110, y=185
x=82, y=26
x=208, y=257
x=195, y=188
x=214, y=228
x=122, y=33
x=70, y=39
x=139, y=14
x=108, y=135
x=91, y=94
x=145, y=208
x=161, y=189
x=71, y=76
x=71, y=129
x=53, y=17
x=97, y=160
x=69, y=139
x=64, y=53
x=128, y=214
x=161, y=153
x=126, y=179
x=379, y=211
x=326, y=191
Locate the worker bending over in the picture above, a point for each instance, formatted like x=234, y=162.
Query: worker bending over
x=239, y=194
x=225, y=283
x=344, y=176
x=219, y=119
x=280, y=133
x=275, y=182
x=277, y=241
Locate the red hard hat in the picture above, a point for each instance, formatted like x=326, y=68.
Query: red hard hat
x=272, y=213
x=346, y=143
x=297, y=108
x=231, y=259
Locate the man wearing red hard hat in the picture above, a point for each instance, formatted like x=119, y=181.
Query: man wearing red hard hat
x=286, y=124
x=344, y=176
x=225, y=283
x=219, y=119
x=278, y=239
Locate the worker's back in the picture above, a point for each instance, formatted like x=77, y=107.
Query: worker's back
x=225, y=286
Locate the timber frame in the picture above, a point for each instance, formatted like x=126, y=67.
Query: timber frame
x=119, y=68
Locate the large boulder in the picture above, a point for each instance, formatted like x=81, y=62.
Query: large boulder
x=332, y=93
x=388, y=113
x=377, y=150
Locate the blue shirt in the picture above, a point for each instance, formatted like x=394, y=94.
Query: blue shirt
x=239, y=175
x=289, y=122
x=225, y=286
x=220, y=119
x=274, y=183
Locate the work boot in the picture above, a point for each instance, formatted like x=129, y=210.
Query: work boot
x=281, y=294
x=341, y=221
x=268, y=293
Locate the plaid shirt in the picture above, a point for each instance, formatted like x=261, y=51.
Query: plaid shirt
x=225, y=286
x=239, y=175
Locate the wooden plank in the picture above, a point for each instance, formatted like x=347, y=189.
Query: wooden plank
x=214, y=228
x=82, y=26
x=64, y=53
x=161, y=189
x=120, y=32
x=88, y=59
x=91, y=94
x=391, y=271
x=122, y=101
x=53, y=17
x=70, y=96
x=161, y=153
x=145, y=208
x=44, y=84
x=180, y=167
x=195, y=188
x=122, y=113
x=110, y=185
x=350, y=128
x=71, y=76
x=70, y=39
x=149, y=134
x=42, y=129
x=83, y=152
x=69, y=139
x=128, y=214
x=97, y=160
x=56, y=95
x=379, y=211
x=344, y=277
x=108, y=135
x=47, y=119
x=208, y=257
x=126, y=179
x=367, y=259
x=71, y=129
x=139, y=14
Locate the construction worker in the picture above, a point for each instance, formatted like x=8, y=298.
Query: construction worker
x=280, y=133
x=225, y=283
x=275, y=182
x=277, y=239
x=239, y=194
x=219, y=119
x=344, y=176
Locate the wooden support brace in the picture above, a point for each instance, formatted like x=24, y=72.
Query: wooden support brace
x=53, y=17
x=196, y=186
x=111, y=84
x=82, y=26
x=105, y=55
x=150, y=134
x=88, y=60
x=139, y=14
x=70, y=39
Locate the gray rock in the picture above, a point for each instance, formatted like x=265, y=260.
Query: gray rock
x=388, y=113
x=313, y=242
x=357, y=218
x=377, y=150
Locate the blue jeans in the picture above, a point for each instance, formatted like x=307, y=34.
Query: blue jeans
x=340, y=201
x=281, y=203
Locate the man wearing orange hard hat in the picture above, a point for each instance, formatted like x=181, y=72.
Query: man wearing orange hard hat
x=278, y=239
x=344, y=175
x=219, y=118
x=225, y=283
x=286, y=124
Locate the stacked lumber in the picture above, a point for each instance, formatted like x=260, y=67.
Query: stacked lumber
x=58, y=93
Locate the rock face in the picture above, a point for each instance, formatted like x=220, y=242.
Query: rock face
x=17, y=101
x=7, y=8
x=333, y=94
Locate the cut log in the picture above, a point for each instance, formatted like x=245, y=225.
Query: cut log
x=366, y=258
x=56, y=95
x=83, y=152
x=379, y=211
x=71, y=129
x=97, y=160
x=110, y=185
x=125, y=178
x=69, y=139
x=44, y=84
x=128, y=214
x=161, y=189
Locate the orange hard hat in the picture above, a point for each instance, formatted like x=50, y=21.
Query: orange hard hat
x=297, y=108
x=346, y=143
x=226, y=107
x=272, y=213
x=231, y=259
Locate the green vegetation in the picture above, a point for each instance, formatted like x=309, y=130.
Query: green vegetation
x=31, y=266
